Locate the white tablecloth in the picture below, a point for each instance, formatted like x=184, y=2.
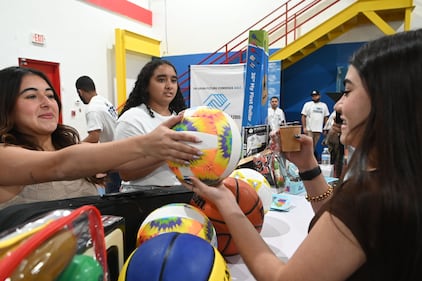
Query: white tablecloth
x=283, y=232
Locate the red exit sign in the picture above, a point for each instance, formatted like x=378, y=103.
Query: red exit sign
x=38, y=38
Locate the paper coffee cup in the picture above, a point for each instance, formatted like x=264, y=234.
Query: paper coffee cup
x=288, y=142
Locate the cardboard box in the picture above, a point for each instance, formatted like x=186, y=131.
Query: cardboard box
x=294, y=186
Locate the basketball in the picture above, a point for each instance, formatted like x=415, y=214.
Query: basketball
x=249, y=202
x=175, y=256
x=221, y=145
x=177, y=217
x=258, y=182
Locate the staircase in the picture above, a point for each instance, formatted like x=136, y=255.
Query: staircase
x=362, y=12
x=296, y=29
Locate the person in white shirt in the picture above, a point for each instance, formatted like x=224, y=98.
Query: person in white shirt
x=155, y=98
x=314, y=116
x=101, y=118
x=275, y=115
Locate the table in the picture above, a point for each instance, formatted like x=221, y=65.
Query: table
x=283, y=232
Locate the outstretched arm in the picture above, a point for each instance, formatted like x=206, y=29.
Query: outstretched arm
x=135, y=169
x=21, y=166
x=329, y=242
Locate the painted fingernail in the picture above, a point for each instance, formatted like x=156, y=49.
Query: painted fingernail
x=297, y=136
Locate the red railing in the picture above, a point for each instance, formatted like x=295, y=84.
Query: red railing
x=281, y=23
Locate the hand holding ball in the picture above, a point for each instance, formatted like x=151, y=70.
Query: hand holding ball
x=221, y=145
x=258, y=182
x=250, y=204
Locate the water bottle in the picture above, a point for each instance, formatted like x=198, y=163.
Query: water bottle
x=325, y=157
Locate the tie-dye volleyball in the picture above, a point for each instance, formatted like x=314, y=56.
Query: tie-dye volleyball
x=221, y=145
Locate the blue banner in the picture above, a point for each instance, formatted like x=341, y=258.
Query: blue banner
x=256, y=90
x=274, y=80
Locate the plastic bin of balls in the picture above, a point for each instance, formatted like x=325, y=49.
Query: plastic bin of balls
x=52, y=247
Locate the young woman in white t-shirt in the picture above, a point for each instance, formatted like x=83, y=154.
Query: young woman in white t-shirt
x=155, y=97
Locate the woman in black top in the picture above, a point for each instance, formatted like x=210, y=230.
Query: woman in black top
x=370, y=227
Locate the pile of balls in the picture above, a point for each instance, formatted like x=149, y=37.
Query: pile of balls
x=181, y=241
x=175, y=242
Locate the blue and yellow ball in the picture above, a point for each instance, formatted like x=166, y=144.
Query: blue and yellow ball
x=175, y=256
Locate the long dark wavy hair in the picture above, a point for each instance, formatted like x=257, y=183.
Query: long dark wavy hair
x=389, y=200
x=10, y=82
x=140, y=94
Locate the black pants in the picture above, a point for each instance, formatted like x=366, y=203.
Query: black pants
x=337, y=158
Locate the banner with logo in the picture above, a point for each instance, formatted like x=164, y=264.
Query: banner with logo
x=219, y=86
x=255, y=107
x=210, y=85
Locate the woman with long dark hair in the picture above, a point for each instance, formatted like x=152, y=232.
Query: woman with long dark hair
x=155, y=98
x=369, y=227
x=43, y=160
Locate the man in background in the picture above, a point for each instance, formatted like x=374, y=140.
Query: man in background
x=332, y=131
x=101, y=117
x=314, y=116
x=275, y=116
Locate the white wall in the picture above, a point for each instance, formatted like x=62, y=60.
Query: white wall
x=80, y=36
x=192, y=26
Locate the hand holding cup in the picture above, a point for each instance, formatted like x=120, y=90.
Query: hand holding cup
x=288, y=141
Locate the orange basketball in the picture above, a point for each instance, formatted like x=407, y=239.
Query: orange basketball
x=249, y=202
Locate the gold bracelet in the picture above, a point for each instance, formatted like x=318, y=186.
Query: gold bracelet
x=320, y=197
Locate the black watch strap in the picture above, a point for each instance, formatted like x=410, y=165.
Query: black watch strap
x=310, y=174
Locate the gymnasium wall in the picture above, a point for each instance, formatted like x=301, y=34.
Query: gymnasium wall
x=319, y=70
x=316, y=71
x=81, y=37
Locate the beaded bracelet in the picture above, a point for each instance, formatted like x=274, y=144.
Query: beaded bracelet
x=320, y=197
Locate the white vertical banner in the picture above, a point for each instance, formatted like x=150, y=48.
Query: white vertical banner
x=219, y=86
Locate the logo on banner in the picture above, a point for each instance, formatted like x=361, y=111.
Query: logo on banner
x=219, y=101
x=255, y=37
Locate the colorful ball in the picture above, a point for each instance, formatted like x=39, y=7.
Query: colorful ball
x=175, y=256
x=177, y=217
x=248, y=201
x=221, y=145
x=258, y=182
